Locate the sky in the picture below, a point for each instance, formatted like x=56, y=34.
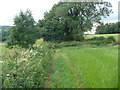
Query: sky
x=10, y=8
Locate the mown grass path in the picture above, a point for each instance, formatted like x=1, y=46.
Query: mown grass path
x=71, y=74
x=85, y=67
x=73, y=70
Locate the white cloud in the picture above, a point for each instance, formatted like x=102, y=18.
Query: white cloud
x=10, y=8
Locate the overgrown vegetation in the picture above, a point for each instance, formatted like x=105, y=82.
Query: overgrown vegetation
x=26, y=68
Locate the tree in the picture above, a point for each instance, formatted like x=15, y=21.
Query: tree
x=24, y=32
x=111, y=28
x=68, y=21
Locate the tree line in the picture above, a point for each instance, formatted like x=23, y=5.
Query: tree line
x=64, y=22
x=111, y=28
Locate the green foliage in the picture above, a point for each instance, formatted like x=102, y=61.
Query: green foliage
x=110, y=39
x=24, y=32
x=68, y=21
x=95, y=41
x=26, y=68
x=108, y=28
x=101, y=40
x=97, y=38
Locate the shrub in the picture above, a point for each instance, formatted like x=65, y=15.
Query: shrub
x=26, y=68
x=98, y=38
x=110, y=39
x=101, y=38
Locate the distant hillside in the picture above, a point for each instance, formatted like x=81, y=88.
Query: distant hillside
x=5, y=27
x=3, y=32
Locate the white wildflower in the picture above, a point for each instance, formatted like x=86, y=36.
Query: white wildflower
x=8, y=75
x=31, y=50
x=1, y=61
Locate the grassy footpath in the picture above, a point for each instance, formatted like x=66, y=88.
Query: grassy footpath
x=86, y=67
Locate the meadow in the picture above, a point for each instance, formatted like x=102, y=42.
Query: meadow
x=86, y=67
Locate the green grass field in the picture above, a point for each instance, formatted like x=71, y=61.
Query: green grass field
x=86, y=67
x=105, y=35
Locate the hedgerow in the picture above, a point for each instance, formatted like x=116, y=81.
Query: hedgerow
x=26, y=68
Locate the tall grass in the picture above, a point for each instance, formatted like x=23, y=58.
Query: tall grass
x=93, y=67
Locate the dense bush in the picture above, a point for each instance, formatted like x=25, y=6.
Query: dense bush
x=26, y=68
x=110, y=39
x=97, y=38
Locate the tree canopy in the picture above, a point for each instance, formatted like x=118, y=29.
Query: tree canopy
x=24, y=32
x=68, y=21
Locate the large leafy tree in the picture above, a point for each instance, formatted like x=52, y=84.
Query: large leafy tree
x=68, y=21
x=24, y=32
